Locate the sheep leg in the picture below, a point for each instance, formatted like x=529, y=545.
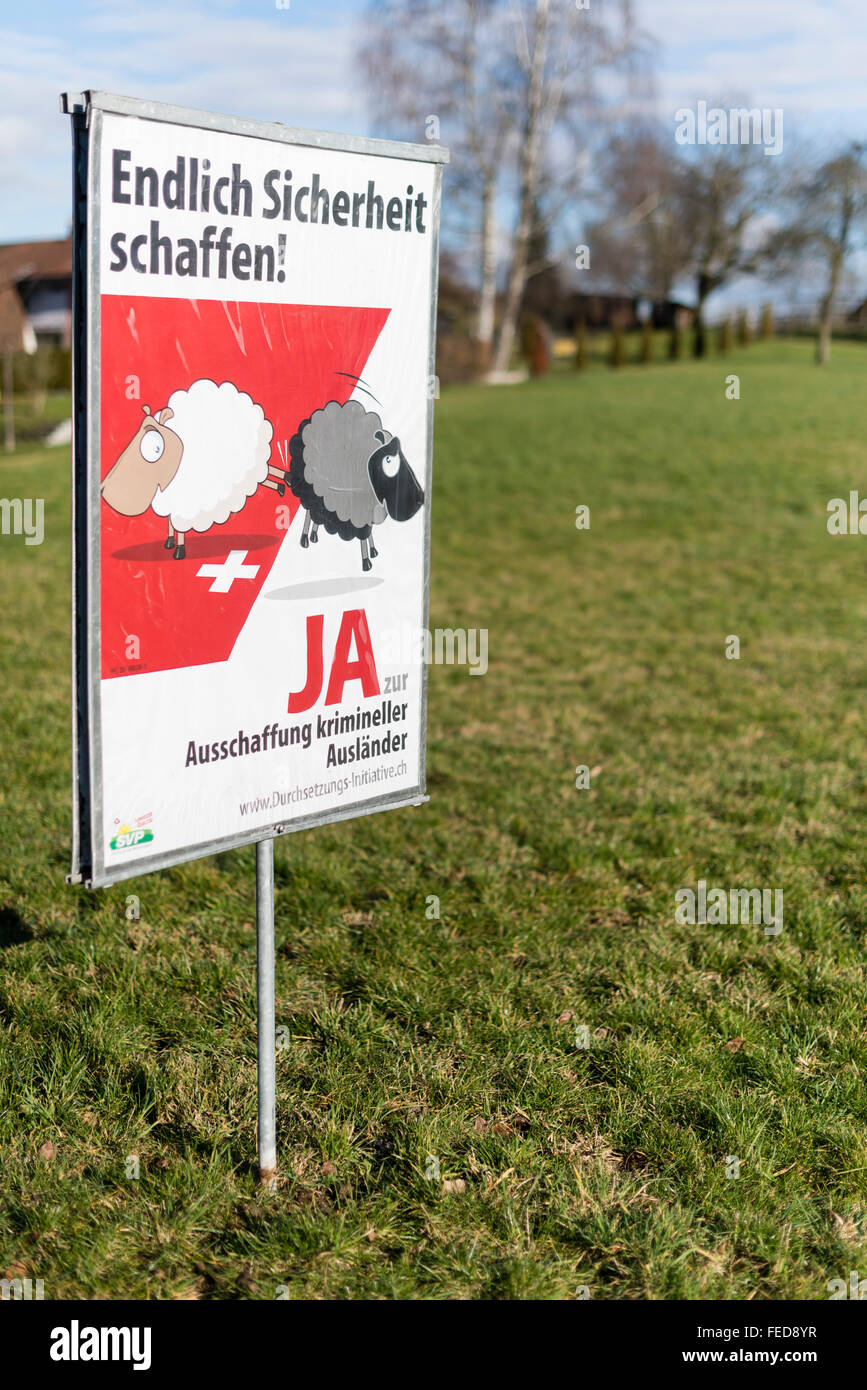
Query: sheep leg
x=278, y=472
x=373, y=550
x=278, y=487
x=366, y=562
x=306, y=532
x=170, y=543
x=314, y=534
x=180, y=549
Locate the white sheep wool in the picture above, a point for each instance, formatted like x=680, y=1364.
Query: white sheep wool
x=254, y=310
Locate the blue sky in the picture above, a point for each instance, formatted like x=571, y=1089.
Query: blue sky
x=243, y=56
x=297, y=64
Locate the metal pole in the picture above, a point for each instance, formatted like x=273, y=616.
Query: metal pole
x=265, y=1004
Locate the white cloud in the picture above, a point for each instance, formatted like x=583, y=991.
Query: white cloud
x=266, y=63
x=297, y=65
x=808, y=56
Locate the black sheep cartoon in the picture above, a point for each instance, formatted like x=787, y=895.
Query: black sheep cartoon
x=350, y=474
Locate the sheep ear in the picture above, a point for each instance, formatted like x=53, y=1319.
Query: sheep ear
x=165, y=415
x=380, y=436
x=146, y=410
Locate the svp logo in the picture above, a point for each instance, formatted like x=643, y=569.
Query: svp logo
x=129, y=837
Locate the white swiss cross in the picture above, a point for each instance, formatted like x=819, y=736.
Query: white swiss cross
x=224, y=575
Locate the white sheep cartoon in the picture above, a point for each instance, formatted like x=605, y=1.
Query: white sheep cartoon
x=202, y=469
x=350, y=474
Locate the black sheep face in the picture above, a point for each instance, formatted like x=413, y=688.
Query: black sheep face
x=393, y=480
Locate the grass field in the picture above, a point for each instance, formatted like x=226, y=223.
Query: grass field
x=411, y=1039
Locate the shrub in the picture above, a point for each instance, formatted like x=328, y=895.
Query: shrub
x=617, y=351
x=535, y=345
x=645, y=355
x=581, y=357
x=460, y=359
x=700, y=339
x=726, y=337
x=46, y=369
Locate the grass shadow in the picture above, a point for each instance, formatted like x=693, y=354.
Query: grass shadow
x=13, y=928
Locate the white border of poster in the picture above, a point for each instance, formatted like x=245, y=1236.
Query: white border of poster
x=186, y=822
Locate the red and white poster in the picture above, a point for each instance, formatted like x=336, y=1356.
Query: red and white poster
x=260, y=316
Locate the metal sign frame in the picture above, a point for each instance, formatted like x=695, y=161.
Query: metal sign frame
x=86, y=110
x=88, y=866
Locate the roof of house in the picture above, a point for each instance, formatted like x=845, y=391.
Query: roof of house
x=21, y=262
x=36, y=260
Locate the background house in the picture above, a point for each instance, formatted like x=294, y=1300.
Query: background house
x=36, y=294
x=604, y=311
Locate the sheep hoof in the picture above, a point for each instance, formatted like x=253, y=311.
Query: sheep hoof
x=180, y=552
x=281, y=491
x=373, y=552
x=367, y=564
x=314, y=538
x=304, y=542
x=170, y=543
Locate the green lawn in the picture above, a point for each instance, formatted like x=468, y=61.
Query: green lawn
x=412, y=1039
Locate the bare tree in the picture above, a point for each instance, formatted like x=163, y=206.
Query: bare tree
x=720, y=196
x=486, y=126
x=640, y=244
x=445, y=61
x=827, y=211
x=677, y=214
x=558, y=50
x=503, y=76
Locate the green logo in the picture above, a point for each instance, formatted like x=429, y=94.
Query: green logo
x=126, y=838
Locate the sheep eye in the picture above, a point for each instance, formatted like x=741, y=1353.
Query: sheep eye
x=390, y=464
x=152, y=445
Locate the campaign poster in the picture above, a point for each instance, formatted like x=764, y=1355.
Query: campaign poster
x=253, y=465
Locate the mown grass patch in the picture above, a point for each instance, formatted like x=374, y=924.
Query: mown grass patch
x=419, y=1046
